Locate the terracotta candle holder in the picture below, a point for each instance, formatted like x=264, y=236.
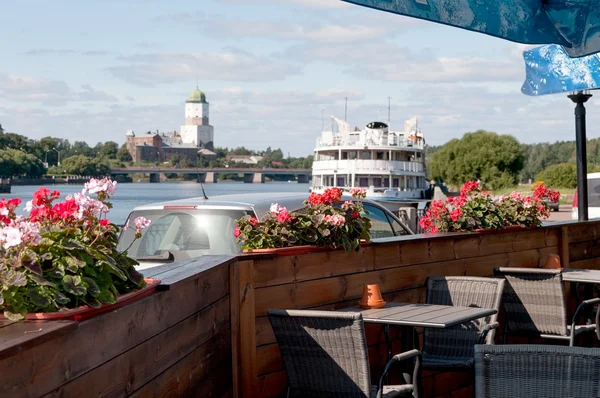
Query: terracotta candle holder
x=553, y=262
x=371, y=297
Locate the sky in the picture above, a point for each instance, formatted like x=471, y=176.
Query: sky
x=92, y=70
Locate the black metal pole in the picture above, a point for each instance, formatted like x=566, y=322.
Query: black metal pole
x=580, y=140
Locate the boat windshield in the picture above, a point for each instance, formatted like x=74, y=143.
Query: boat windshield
x=182, y=234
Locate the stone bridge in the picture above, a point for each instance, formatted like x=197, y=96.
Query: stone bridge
x=210, y=175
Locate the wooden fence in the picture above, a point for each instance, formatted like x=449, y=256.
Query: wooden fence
x=206, y=334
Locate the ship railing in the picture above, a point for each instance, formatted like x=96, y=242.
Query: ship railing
x=368, y=164
x=341, y=141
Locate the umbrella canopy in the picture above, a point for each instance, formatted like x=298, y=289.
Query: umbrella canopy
x=574, y=24
x=550, y=70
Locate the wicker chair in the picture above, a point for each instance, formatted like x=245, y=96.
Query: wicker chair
x=452, y=348
x=527, y=371
x=325, y=355
x=534, y=302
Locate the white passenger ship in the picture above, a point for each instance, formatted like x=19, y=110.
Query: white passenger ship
x=389, y=164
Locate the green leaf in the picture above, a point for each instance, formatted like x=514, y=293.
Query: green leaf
x=73, y=264
x=37, y=298
x=33, y=266
x=92, y=302
x=12, y=316
x=60, y=298
x=58, y=272
x=73, y=245
x=46, y=256
x=73, y=285
x=92, y=286
x=17, y=279
x=113, y=267
x=41, y=281
x=107, y=297
x=135, y=277
x=346, y=243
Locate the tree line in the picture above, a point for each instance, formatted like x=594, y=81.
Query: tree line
x=500, y=161
x=22, y=157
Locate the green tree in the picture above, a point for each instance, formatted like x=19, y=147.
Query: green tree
x=175, y=160
x=49, y=148
x=108, y=150
x=563, y=175
x=84, y=166
x=16, y=163
x=80, y=148
x=13, y=141
x=494, y=159
x=123, y=154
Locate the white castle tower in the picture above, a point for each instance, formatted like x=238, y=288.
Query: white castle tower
x=196, y=129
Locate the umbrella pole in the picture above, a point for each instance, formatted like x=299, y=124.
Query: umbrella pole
x=580, y=139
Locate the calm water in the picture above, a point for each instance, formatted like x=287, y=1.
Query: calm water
x=130, y=195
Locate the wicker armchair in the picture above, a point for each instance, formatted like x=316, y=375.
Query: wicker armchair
x=534, y=302
x=527, y=371
x=452, y=348
x=325, y=355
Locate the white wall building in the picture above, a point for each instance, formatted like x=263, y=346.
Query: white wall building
x=197, y=129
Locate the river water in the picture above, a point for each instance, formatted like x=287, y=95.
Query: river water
x=131, y=195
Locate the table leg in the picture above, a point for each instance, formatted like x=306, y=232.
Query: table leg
x=407, y=343
x=388, y=341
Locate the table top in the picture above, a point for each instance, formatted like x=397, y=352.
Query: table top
x=421, y=315
x=581, y=275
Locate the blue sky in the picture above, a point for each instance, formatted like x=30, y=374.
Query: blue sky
x=93, y=70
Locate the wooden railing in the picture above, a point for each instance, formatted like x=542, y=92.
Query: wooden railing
x=206, y=332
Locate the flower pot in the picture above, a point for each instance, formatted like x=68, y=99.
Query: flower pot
x=84, y=312
x=510, y=228
x=553, y=262
x=287, y=251
x=371, y=297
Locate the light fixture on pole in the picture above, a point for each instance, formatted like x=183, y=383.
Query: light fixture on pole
x=580, y=98
x=58, y=152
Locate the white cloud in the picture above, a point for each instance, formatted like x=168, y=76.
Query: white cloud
x=48, y=92
x=386, y=61
x=232, y=65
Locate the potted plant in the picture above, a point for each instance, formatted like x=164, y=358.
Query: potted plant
x=61, y=260
x=475, y=209
x=324, y=222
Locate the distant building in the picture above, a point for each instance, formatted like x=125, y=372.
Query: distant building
x=195, y=138
x=246, y=159
x=197, y=129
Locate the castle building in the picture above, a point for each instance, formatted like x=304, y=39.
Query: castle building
x=195, y=137
x=197, y=129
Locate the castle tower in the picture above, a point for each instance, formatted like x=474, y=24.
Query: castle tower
x=197, y=129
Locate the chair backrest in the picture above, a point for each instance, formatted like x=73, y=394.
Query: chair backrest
x=528, y=371
x=534, y=301
x=462, y=291
x=324, y=352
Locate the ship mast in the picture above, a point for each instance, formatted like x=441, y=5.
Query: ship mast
x=389, y=110
x=346, y=110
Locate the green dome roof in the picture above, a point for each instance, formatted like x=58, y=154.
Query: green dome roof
x=196, y=96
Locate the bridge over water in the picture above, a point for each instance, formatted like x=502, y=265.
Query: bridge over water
x=211, y=175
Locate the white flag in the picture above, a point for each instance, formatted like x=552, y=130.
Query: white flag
x=410, y=124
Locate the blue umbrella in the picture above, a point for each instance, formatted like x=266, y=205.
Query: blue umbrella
x=574, y=24
x=549, y=70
